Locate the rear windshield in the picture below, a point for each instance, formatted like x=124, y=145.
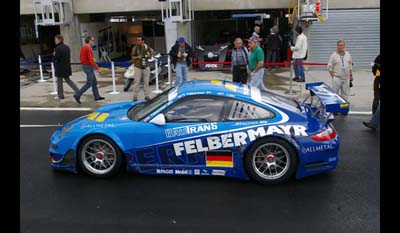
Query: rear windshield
x=281, y=101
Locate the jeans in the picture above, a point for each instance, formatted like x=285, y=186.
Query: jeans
x=257, y=79
x=60, y=88
x=91, y=81
x=376, y=118
x=299, y=69
x=181, y=73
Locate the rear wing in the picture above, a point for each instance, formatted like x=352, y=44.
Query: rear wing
x=328, y=101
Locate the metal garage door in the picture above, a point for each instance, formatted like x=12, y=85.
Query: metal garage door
x=359, y=28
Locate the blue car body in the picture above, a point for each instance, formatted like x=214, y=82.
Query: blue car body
x=186, y=148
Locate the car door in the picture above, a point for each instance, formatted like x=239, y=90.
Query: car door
x=192, y=127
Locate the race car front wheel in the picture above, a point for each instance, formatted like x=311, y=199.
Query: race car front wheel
x=99, y=156
x=270, y=161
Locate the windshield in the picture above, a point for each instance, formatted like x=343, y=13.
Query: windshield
x=140, y=111
x=282, y=101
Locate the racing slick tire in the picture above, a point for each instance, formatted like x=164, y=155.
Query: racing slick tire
x=270, y=161
x=127, y=84
x=99, y=156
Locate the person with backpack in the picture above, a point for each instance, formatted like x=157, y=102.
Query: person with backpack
x=240, y=60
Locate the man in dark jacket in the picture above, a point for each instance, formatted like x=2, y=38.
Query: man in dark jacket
x=376, y=70
x=273, y=45
x=180, y=54
x=62, y=66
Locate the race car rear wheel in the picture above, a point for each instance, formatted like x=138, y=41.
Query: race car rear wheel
x=99, y=156
x=270, y=161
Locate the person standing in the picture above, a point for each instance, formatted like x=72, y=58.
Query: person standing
x=240, y=61
x=141, y=54
x=88, y=65
x=340, y=68
x=273, y=44
x=181, y=54
x=62, y=66
x=256, y=33
x=299, y=54
x=256, y=64
x=376, y=70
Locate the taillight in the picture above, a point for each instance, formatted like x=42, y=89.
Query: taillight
x=324, y=135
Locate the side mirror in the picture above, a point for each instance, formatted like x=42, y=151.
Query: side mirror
x=159, y=119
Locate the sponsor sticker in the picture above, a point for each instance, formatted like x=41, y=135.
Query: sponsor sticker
x=218, y=172
x=319, y=148
x=190, y=129
x=229, y=140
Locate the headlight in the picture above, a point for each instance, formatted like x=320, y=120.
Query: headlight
x=65, y=130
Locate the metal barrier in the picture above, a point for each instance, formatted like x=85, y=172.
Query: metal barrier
x=283, y=64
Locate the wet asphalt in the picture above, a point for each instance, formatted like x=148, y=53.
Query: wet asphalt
x=346, y=199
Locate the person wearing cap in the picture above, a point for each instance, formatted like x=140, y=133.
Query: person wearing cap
x=256, y=64
x=181, y=54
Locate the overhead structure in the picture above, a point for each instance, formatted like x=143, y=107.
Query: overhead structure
x=52, y=12
x=174, y=12
x=307, y=10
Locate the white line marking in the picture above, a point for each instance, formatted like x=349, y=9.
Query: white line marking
x=360, y=113
x=38, y=126
x=55, y=109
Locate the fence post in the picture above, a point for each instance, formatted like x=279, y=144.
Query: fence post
x=41, y=70
x=53, y=74
x=156, y=64
x=169, y=71
x=114, y=91
x=291, y=92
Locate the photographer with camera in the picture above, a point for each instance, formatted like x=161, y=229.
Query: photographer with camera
x=141, y=54
x=340, y=68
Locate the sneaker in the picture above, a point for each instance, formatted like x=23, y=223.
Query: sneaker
x=368, y=125
x=77, y=98
x=299, y=81
x=295, y=79
x=100, y=98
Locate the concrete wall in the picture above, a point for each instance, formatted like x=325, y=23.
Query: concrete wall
x=101, y=6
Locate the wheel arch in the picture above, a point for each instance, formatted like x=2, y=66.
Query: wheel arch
x=113, y=138
x=281, y=137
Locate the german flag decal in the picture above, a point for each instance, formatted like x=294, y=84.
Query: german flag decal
x=219, y=159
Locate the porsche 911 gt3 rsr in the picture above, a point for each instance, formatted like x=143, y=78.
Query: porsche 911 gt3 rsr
x=206, y=128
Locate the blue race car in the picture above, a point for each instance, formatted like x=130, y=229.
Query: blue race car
x=206, y=128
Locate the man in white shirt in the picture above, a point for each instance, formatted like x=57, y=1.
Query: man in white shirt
x=340, y=68
x=299, y=54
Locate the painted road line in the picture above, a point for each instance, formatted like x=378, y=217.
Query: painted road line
x=38, y=126
x=55, y=109
x=359, y=113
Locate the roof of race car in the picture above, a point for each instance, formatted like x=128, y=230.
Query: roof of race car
x=219, y=87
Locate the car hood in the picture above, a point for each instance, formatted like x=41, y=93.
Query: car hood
x=107, y=114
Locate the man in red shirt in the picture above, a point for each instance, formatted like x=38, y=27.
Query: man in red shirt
x=88, y=64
